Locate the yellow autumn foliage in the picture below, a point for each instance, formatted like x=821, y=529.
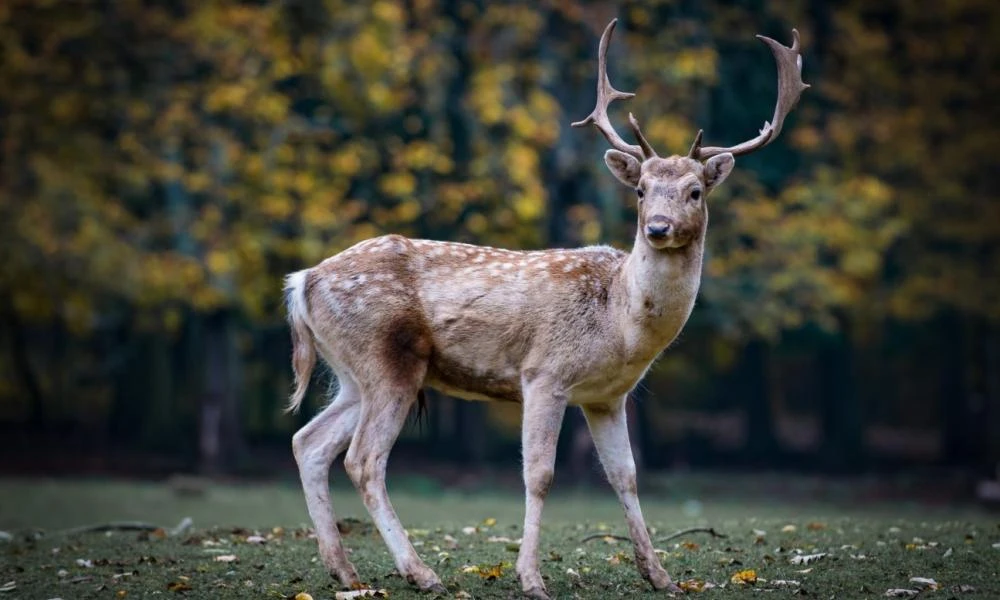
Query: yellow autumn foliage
x=265, y=143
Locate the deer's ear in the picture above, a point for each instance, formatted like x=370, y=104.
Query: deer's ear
x=624, y=166
x=717, y=169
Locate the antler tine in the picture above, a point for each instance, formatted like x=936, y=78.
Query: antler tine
x=606, y=94
x=696, y=146
x=647, y=150
x=790, y=88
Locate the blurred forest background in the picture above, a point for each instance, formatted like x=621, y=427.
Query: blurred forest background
x=166, y=162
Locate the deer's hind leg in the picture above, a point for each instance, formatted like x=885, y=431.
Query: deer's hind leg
x=316, y=446
x=387, y=396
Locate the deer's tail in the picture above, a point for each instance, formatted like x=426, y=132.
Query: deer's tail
x=303, y=342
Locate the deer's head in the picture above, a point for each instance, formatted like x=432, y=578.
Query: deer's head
x=672, y=191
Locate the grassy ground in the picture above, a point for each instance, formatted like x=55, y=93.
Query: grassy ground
x=868, y=545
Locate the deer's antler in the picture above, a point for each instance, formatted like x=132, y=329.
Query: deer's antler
x=605, y=96
x=790, y=87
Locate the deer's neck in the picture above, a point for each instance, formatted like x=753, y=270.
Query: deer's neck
x=656, y=293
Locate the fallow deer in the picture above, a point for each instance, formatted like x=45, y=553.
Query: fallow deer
x=545, y=329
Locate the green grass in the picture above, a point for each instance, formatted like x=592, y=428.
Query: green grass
x=898, y=540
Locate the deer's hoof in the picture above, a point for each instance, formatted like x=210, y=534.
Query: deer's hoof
x=669, y=587
x=537, y=593
x=661, y=581
x=436, y=588
x=349, y=580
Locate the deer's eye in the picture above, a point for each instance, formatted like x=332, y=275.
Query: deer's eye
x=639, y=192
x=696, y=193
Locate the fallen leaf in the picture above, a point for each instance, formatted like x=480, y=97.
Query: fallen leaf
x=947, y=553
x=470, y=569
x=744, y=577
x=925, y=583
x=805, y=559
x=572, y=573
x=303, y=596
x=226, y=558
x=469, y=530
x=10, y=586
x=86, y=563
x=118, y=576
x=178, y=586
x=789, y=529
x=964, y=588
x=784, y=582
x=816, y=526
x=690, y=546
x=900, y=593
x=256, y=539
x=489, y=522
x=463, y=595
x=491, y=572
x=5, y=536
x=692, y=585
x=361, y=594
x=500, y=539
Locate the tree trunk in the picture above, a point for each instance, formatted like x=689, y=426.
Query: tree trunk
x=992, y=420
x=158, y=418
x=18, y=345
x=220, y=439
x=753, y=385
x=957, y=414
x=473, y=435
x=842, y=448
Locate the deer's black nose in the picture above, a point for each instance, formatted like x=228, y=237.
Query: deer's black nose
x=659, y=229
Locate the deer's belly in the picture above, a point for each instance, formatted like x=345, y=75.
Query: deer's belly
x=458, y=378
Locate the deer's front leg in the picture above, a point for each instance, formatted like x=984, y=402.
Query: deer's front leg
x=544, y=407
x=609, y=428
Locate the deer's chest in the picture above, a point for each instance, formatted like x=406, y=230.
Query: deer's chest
x=603, y=385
